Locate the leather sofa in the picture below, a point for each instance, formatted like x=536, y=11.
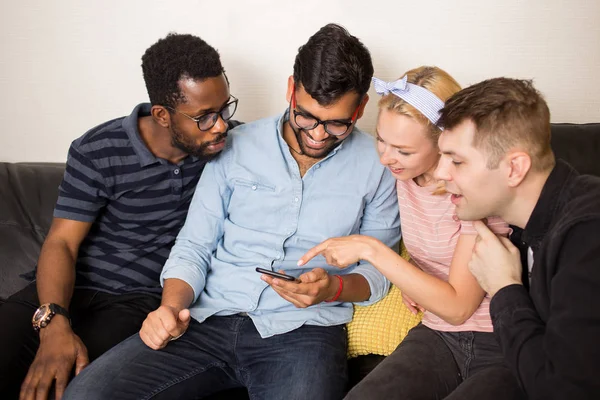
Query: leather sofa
x=28, y=192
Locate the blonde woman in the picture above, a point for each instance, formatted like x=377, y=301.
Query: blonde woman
x=452, y=353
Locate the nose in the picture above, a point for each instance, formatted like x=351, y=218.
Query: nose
x=220, y=126
x=442, y=171
x=384, y=155
x=319, y=133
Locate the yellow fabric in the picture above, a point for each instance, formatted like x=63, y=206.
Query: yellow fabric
x=380, y=327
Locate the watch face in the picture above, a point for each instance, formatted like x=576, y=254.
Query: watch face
x=41, y=314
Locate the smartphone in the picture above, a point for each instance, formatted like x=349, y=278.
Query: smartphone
x=275, y=274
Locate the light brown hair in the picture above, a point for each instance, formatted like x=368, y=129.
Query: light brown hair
x=508, y=114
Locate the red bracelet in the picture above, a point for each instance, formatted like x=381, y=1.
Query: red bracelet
x=339, y=291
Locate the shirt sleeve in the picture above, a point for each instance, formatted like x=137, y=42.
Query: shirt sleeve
x=83, y=191
x=191, y=254
x=558, y=358
x=380, y=220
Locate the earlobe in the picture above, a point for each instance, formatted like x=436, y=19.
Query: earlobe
x=519, y=167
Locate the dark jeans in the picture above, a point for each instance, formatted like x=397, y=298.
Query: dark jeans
x=430, y=364
x=222, y=353
x=100, y=319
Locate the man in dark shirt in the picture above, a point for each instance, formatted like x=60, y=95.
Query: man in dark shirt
x=127, y=187
x=497, y=160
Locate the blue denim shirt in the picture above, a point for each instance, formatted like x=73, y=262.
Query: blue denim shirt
x=252, y=209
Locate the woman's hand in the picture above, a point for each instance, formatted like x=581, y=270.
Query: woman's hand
x=341, y=252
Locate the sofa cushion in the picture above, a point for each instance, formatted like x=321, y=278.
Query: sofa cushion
x=379, y=328
x=28, y=193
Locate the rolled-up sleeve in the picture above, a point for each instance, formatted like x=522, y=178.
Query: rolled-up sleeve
x=380, y=220
x=190, y=257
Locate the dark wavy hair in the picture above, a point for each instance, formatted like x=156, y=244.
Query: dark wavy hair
x=333, y=63
x=176, y=57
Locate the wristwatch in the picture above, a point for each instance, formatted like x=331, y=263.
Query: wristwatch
x=44, y=314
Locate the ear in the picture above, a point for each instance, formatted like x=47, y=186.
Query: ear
x=519, y=165
x=161, y=116
x=290, y=88
x=361, y=107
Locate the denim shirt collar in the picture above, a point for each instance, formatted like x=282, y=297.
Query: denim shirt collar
x=552, y=196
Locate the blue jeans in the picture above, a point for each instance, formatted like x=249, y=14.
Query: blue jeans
x=218, y=354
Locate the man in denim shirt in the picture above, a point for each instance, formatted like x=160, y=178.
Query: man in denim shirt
x=545, y=281
x=282, y=186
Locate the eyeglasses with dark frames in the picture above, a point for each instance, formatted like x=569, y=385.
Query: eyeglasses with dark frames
x=206, y=121
x=334, y=127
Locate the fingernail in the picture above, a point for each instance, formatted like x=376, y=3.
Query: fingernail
x=299, y=263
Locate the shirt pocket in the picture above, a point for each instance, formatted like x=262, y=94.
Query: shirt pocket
x=249, y=201
x=331, y=211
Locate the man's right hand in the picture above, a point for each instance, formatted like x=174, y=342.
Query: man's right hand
x=163, y=325
x=60, y=349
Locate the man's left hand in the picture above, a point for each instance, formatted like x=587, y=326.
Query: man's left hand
x=312, y=288
x=495, y=262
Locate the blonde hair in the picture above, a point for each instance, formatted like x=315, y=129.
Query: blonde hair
x=434, y=79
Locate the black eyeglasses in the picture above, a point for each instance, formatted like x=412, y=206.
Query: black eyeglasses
x=208, y=120
x=333, y=127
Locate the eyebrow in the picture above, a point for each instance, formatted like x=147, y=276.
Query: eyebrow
x=451, y=154
x=393, y=145
x=303, y=111
x=204, y=111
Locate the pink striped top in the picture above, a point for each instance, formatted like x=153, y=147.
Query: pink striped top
x=430, y=230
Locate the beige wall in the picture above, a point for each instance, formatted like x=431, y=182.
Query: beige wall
x=67, y=65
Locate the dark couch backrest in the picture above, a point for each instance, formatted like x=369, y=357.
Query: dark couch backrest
x=579, y=145
x=27, y=196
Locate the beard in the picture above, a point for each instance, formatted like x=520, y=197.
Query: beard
x=180, y=141
x=333, y=142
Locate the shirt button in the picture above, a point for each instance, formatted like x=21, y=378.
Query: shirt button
x=296, y=199
x=176, y=171
x=253, y=187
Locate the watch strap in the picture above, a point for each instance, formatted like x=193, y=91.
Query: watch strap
x=56, y=309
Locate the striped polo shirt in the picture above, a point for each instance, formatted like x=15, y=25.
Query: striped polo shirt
x=136, y=201
x=430, y=230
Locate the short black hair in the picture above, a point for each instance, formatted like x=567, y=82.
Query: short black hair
x=333, y=63
x=176, y=57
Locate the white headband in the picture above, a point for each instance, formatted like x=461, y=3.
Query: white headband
x=417, y=96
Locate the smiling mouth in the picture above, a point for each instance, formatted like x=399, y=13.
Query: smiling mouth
x=314, y=143
x=455, y=198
